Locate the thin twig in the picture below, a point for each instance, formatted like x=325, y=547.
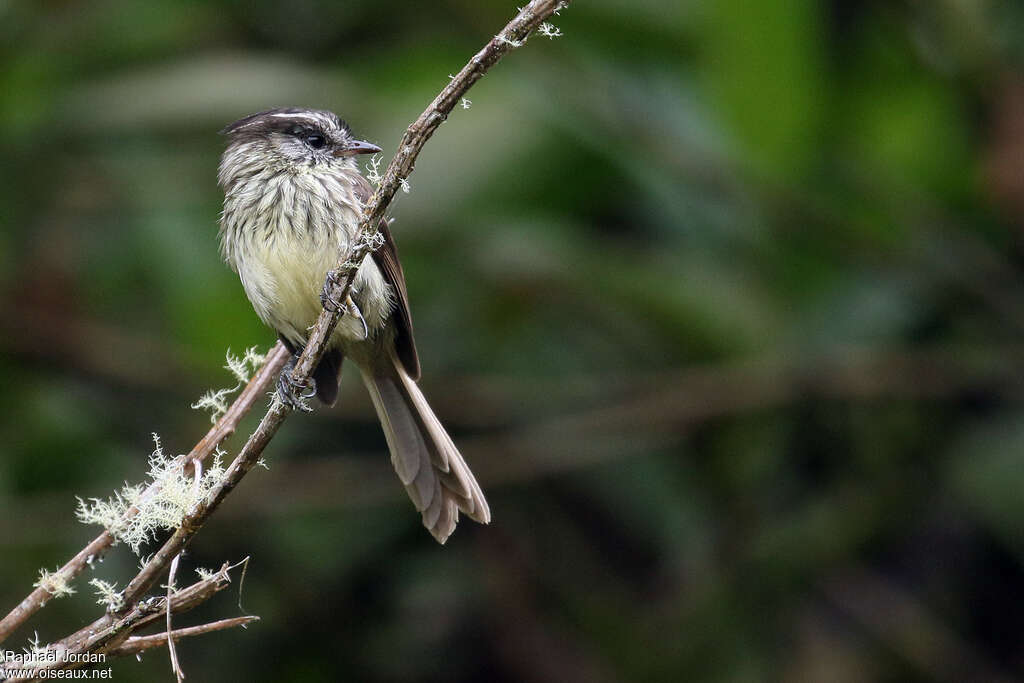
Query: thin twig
x=138, y=644
x=171, y=650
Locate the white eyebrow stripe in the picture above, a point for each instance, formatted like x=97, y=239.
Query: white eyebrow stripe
x=308, y=117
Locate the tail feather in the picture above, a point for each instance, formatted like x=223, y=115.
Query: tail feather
x=436, y=477
x=327, y=376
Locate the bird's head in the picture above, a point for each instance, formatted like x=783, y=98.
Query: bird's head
x=290, y=139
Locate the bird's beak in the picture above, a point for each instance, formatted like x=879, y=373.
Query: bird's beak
x=357, y=147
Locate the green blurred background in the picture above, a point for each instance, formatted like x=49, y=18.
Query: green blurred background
x=721, y=300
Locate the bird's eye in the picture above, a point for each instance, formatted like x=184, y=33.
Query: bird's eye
x=316, y=141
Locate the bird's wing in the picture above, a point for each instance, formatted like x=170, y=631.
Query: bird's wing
x=386, y=258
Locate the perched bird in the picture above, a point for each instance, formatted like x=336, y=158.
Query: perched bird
x=292, y=200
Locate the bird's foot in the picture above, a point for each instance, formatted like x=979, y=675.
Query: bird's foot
x=330, y=304
x=348, y=307
x=292, y=393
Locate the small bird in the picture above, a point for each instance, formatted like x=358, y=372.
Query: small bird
x=292, y=201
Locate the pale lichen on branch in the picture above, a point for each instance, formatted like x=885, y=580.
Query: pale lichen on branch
x=174, y=496
x=109, y=596
x=55, y=583
x=242, y=367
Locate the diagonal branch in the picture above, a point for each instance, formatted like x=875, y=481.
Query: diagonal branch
x=110, y=632
x=512, y=36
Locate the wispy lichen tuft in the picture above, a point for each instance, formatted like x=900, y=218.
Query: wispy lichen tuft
x=54, y=583
x=172, y=496
x=109, y=596
x=216, y=400
x=502, y=38
x=549, y=30
x=35, y=650
x=373, y=169
x=242, y=368
x=205, y=574
x=373, y=240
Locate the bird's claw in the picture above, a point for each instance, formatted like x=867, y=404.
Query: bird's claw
x=348, y=307
x=292, y=393
x=330, y=304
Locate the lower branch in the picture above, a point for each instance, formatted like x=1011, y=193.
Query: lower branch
x=138, y=644
x=257, y=387
x=111, y=634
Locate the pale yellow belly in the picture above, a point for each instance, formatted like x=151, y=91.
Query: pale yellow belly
x=283, y=279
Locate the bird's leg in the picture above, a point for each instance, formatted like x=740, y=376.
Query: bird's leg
x=292, y=393
x=349, y=307
x=329, y=304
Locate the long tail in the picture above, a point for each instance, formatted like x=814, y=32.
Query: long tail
x=435, y=475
